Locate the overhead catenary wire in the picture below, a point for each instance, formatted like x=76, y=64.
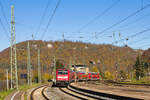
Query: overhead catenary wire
x=50, y=19
x=126, y=18
x=135, y=21
x=139, y=40
x=5, y=31
x=131, y=36
x=24, y=25
x=42, y=17
x=100, y=15
x=144, y=46
x=3, y=26
x=3, y=12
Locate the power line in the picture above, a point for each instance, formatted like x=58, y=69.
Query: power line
x=51, y=18
x=129, y=28
x=144, y=46
x=5, y=31
x=24, y=25
x=131, y=36
x=100, y=15
x=135, y=21
x=142, y=3
x=139, y=40
x=42, y=18
x=3, y=12
x=126, y=18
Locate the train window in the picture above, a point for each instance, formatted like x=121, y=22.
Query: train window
x=62, y=72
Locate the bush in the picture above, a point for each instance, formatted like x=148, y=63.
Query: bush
x=94, y=69
x=108, y=75
x=46, y=77
x=122, y=75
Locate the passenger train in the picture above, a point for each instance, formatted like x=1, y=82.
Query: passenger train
x=65, y=76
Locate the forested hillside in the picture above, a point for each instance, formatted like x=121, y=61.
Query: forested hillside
x=71, y=52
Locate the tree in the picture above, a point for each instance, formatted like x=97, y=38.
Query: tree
x=94, y=69
x=122, y=75
x=59, y=64
x=108, y=75
x=139, y=68
x=146, y=66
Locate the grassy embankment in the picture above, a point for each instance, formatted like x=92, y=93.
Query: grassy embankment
x=144, y=80
x=3, y=94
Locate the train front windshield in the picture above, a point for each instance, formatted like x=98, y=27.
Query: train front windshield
x=62, y=72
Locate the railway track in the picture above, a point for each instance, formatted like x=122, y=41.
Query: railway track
x=132, y=84
x=107, y=82
x=40, y=93
x=92, y=95
x=78, y=93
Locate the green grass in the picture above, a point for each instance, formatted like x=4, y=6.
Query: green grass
x=3, y=94
x=144, y=80
x=26, y=87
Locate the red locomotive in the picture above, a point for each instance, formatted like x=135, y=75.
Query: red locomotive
x=62, y=77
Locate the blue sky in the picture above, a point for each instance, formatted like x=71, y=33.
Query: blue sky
x=71, y=15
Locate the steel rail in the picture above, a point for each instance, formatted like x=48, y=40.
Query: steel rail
x=32, y=93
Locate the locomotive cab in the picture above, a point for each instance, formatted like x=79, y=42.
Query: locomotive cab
x=62, y=77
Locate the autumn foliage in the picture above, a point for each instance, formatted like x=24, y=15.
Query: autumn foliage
x=70, y=53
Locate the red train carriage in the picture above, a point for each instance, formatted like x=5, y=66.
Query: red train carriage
x=72, y=76
x=93, y=76
x=81, y=76
x=62, y=77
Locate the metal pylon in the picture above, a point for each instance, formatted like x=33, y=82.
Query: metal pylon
x=13, y=61
x=29, y=71
x=39, y=67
